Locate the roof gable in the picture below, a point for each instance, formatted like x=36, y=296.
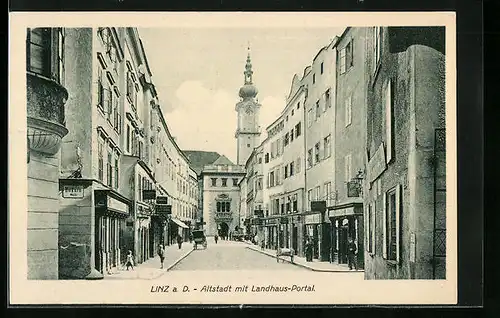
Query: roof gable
x=222, y=160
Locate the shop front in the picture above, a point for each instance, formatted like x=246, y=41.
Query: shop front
x=143, y=228
x=294, y=226
x=313, y=232
x=346, y=223
x=111, y=244
x=271, y=226
x=177, y=228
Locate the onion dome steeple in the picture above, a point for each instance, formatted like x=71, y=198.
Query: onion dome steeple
x=248, y=90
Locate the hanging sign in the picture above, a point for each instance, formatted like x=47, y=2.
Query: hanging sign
x=73, y=191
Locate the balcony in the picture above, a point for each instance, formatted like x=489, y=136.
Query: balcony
x=45, y=114
x=223, y=216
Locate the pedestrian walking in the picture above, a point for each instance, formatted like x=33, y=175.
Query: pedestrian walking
x=130, y=260
x=230, y=235
x=161, y=254
x=351, y=254
x=179, y=240
x=216, y=238
x=309, y=249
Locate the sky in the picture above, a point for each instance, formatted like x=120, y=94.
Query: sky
x=198, y=73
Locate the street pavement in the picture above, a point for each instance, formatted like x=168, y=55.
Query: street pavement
x=150, y=269
x=230, y=255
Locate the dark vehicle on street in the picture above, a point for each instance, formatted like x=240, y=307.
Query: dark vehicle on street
x=199, y=238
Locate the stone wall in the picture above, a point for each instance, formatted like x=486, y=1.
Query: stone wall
x=76, y=219
x=43, y=173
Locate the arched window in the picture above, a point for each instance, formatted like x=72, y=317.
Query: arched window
x=218, y=207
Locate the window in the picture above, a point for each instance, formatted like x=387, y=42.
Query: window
x=328, y=193
x=271, y=179
x=347, y=167
x=345, y=58
x=291, y=168
x=309, y=158
x=293, y=111
x=286, y=172
x=128, y=138
x=109, y=168
x=109, y=103
x=228, y=206
x=100, y=159
x=235, y=182
x=266, y=158
x=41, y=45
x=309, y=198
x=309, y=117
x=389, y=124
x=327, y=146
x=314, y=78
x=328, y=100
x=248, y=145
x=342, y=61
x=219, y=207
x=316, y=152
x=298, y=105
x=260, y=160
x=318, y=111
x=321, y=67
x=297, y=130
x=291, y=135
x=224, y=182
x=316, y=193
x=286, y=140
x=377, y=43
x=348, y=109
x=117, y=171
x=214, y=182
x=392, y=206
x=294, y=200
x=297, y=165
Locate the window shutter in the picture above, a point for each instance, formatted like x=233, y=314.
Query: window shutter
x=384, y=226
x=388, y=121
x=398, y=211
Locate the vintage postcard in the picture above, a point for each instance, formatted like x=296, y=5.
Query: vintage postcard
x=232, y=158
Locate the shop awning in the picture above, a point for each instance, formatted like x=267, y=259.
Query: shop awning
x=180, y=223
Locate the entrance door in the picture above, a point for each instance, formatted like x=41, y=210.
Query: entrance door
x=223, y=230
x=343, y=236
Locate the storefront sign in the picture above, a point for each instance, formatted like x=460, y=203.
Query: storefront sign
x=148, y=194
x=313, y=219
x=161, y=200
x=318, y=206
x=163, y=210
x=116, y=205
x=73, y=191
x=377, y=164
x=223, y=216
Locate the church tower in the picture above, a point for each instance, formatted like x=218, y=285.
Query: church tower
x=248, y=129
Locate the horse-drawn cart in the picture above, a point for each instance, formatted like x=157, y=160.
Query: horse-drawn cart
x=199, y=238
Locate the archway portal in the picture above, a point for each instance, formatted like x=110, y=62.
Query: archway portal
x=223, y=229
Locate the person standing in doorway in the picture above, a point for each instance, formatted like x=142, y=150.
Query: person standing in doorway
x=161, y=254
x=351, y=254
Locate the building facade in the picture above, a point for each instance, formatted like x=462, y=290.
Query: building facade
x=320, y=80
x=405, y=185
x=46, y=126
x=118, y=160
x=221, y=197
x=346, y=208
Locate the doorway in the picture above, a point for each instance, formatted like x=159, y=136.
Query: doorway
x=223, y=230
x=343, y=236
x=295, y=240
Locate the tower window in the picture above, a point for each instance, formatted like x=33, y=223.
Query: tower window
x=248, y=145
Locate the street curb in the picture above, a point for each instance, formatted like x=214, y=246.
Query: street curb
x=179, y=259
x=304, y=266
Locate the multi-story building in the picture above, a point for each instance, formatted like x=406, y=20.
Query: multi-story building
x=118, y=158
x=346, y=208
x=46, y=97
x=273, y=167
x=320, y=80
x=405, y=184
x=221, y=198
x=293, y=165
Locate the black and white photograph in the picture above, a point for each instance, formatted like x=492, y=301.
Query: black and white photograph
x=219, y=158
